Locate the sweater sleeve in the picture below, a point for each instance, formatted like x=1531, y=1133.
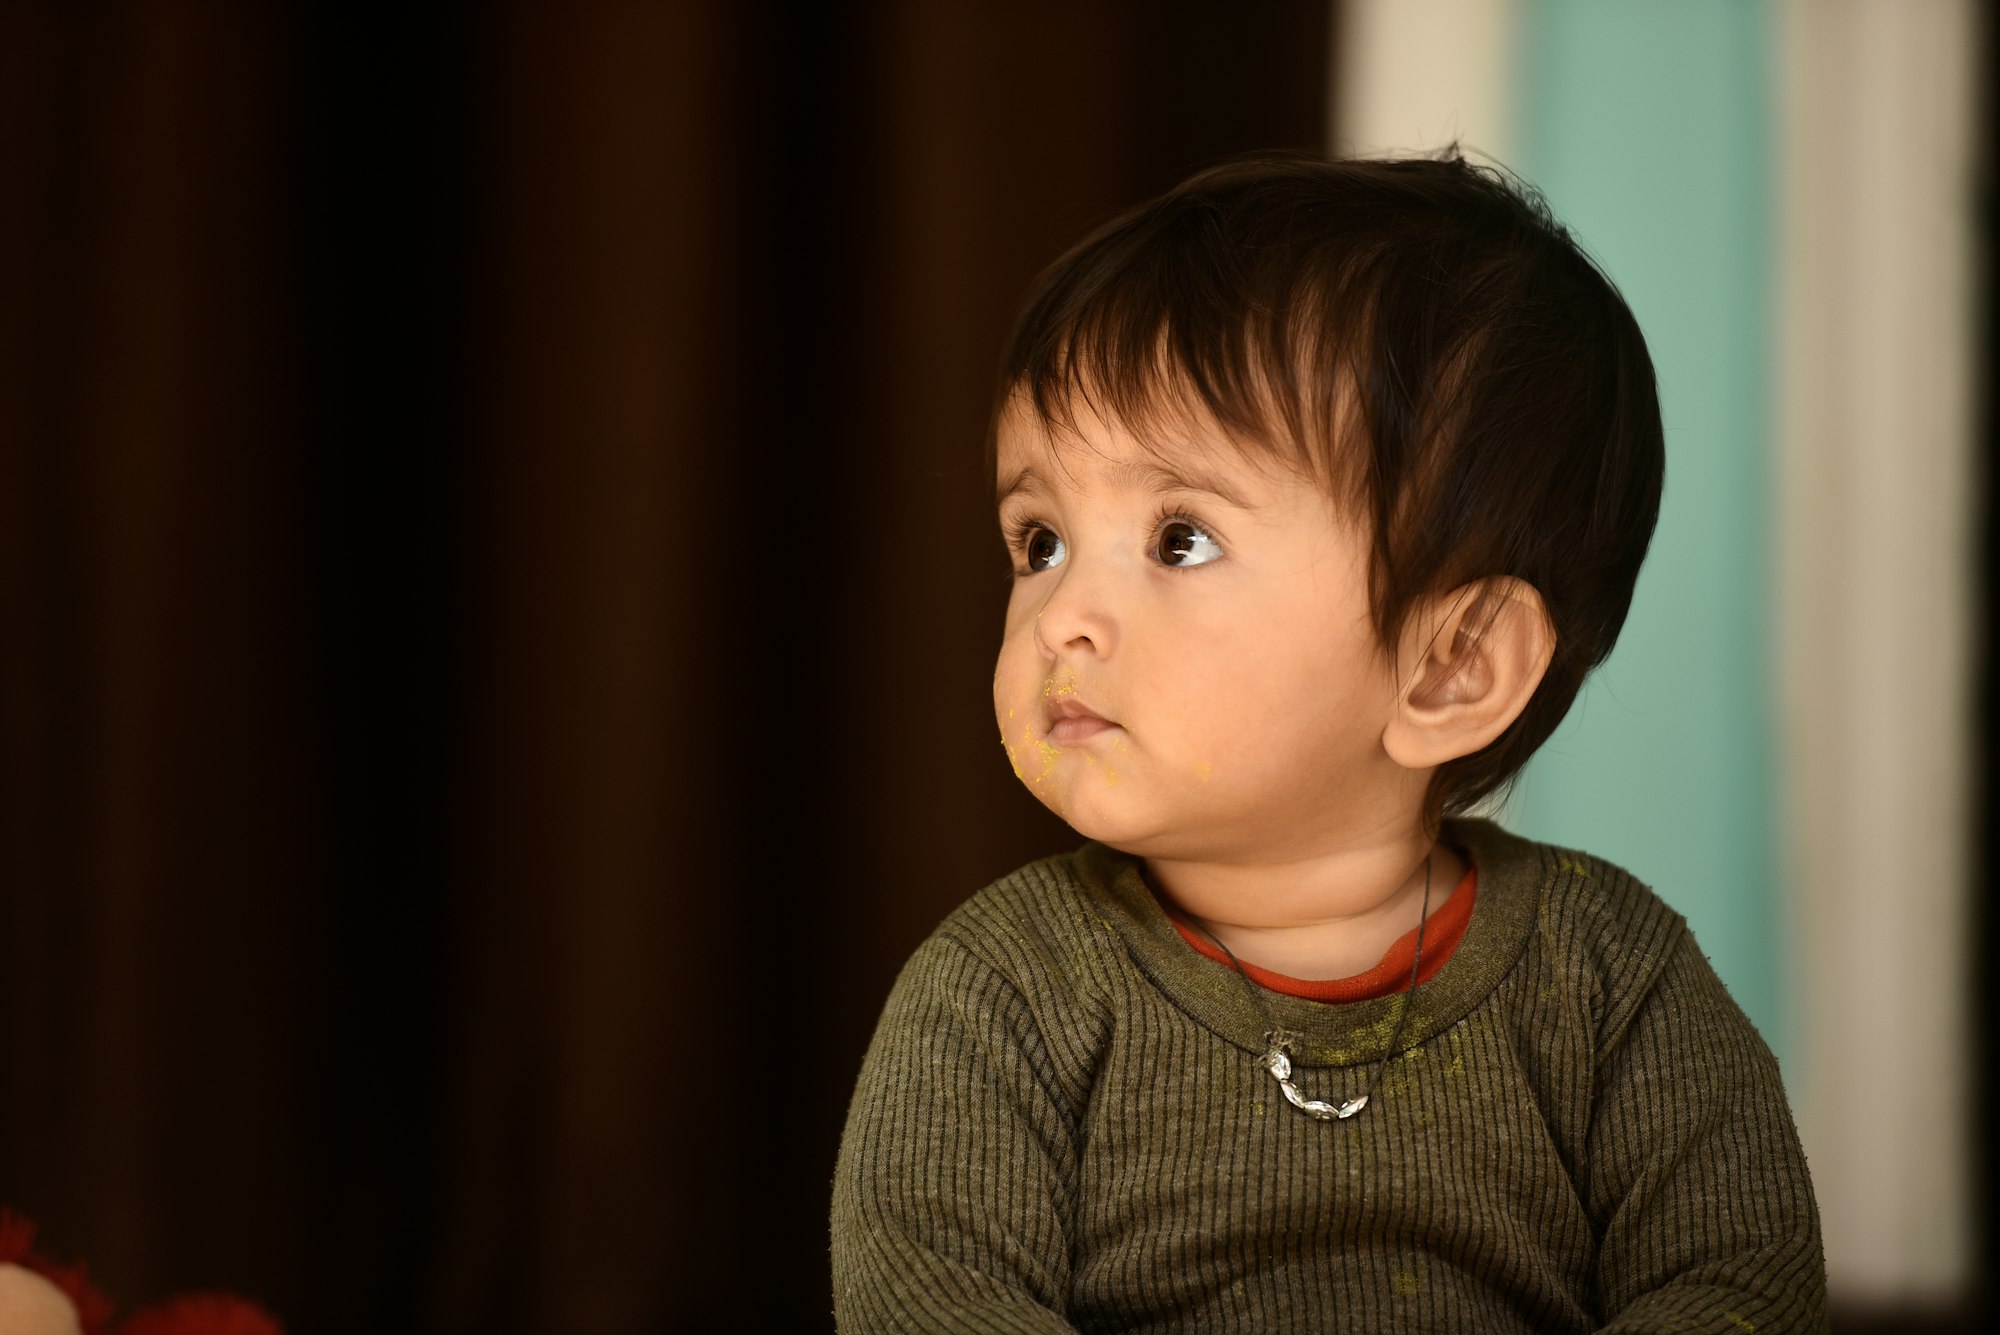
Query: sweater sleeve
x=1696, y=1180
x=956, y=1178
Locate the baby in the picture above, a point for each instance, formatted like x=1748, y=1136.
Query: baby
x=1325, y=485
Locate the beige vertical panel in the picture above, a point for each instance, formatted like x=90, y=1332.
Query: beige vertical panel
x=1875, y=479
x=1413, y=75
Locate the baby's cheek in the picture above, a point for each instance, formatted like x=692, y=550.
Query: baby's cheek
x=1035, y=762
x=1040, y=775
x=1105, y=770
x=1031, y=759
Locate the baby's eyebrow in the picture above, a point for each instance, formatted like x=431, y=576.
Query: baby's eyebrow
x=1159, y=478
x=1155, y=477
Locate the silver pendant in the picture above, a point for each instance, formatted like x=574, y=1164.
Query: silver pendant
x=1278, y=1062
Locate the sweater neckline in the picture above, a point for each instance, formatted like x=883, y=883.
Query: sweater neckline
x=1443, y=929
x=1511, y=875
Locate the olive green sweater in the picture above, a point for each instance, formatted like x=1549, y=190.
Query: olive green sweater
x=1061, y=1125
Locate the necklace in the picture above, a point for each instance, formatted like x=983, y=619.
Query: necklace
x=1279, y=1043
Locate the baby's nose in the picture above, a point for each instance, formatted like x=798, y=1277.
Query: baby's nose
x=1077, y=618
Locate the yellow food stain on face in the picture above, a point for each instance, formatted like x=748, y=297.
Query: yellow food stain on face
x=1013, y=760
x=1202, y=770
x=1110, y=774
x=1049, y=751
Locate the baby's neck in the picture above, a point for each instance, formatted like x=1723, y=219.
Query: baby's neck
x=1328, y=917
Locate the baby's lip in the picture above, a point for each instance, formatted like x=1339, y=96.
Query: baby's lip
x=1069, y=706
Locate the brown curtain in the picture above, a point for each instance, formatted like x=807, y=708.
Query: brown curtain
x=498, y=600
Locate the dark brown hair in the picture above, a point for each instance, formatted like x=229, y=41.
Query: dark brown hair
x=1421, y=337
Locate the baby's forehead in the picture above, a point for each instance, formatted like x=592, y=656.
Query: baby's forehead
x=1074, y=441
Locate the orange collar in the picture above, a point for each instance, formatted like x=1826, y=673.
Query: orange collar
x=1444, y=929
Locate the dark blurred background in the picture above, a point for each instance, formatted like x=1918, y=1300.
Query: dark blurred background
x=498, y=598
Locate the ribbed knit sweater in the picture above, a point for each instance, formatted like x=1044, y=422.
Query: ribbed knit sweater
x=1061, y=1125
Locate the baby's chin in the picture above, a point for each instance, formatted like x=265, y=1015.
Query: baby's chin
x=1098, y=811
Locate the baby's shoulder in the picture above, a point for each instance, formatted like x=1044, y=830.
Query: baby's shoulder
x=1605, y=931
x=1577, y=897
x=1587, y=924
x=1602, y=908
x=1048, y=921
x=1030, y=962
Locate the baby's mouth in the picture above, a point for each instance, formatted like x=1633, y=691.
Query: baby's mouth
x=1070, y=721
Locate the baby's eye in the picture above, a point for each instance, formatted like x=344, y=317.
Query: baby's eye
x=1044, y=551
x=1183, y=543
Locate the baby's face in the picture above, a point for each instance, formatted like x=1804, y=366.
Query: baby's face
x=1188, y=669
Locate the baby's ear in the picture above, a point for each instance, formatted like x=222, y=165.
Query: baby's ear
x=1470, y=662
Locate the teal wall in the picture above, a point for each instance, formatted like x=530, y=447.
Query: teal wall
x=1646, y=123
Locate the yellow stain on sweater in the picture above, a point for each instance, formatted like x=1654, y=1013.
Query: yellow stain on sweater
x=1454, y=1046
x=1405, y=1284
x=1365, y=1043
x=1378, y=1034
x=1742, y=1323
x=1405, y=1070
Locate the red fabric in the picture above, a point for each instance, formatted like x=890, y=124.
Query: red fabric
x=201, y=1314
x=1443, y=930
x=194, y=1314
x=17, y=1245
